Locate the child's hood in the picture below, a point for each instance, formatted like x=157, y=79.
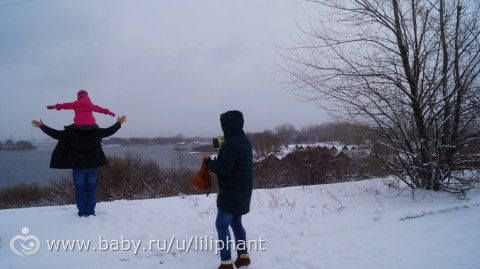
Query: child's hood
x=84, y=100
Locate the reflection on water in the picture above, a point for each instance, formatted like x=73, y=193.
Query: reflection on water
x=33, y=166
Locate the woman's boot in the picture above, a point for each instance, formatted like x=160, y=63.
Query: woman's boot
x=242, y=260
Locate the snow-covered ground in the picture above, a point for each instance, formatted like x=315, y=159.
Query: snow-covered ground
x=349, y=225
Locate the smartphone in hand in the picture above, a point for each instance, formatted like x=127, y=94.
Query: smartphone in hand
x=216, y=144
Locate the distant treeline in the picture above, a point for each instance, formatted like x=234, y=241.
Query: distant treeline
x=138, y=141
x=270, y=140
x=20, y=145
x=343, y=132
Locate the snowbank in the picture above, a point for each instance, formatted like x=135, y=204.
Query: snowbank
x=349, y=225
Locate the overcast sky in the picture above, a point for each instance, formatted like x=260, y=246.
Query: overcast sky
x=170, y=66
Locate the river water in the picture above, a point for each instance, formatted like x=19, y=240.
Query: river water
x=33, y=166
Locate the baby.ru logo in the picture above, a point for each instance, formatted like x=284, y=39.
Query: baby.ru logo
x=25, y=244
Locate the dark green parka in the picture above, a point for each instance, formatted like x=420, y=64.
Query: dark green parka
x=234, y=166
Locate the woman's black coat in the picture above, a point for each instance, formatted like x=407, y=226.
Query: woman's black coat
x=79, y=148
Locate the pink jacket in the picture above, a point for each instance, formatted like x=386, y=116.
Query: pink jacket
x=83, y=109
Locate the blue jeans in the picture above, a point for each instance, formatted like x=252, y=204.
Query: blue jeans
x=85, y=181
x=224, y=220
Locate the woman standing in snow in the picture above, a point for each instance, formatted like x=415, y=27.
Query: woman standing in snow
x=234, y=169
x=80, y=149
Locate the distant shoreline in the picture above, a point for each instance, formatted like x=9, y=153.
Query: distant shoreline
x=21, y=145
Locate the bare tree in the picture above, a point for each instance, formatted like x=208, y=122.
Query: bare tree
x=264, y=142
x=408, y=68
x=286, y=133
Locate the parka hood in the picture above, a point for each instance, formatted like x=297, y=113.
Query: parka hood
x=232, y=123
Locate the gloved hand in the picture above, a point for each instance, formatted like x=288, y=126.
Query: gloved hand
x=50, y=107
x=111, y=114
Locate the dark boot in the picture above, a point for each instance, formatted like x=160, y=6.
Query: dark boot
x=226, y=266
x=242, y=260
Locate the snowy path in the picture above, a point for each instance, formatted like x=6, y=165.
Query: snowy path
x=350, y=225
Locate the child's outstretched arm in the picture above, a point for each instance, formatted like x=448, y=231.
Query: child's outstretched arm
x=63, y=106
x=100, y=109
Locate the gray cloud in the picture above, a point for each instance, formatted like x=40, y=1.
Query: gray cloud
x=170, y=66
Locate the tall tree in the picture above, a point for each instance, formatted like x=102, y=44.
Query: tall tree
x=408, y=68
